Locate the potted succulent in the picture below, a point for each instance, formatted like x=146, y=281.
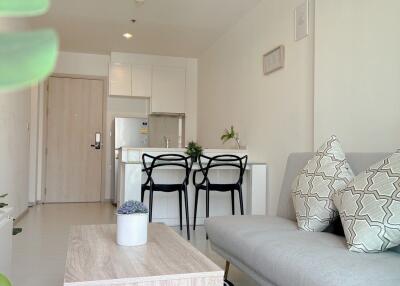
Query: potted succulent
x=194, y=150
x=229, y=135
x=132, y=222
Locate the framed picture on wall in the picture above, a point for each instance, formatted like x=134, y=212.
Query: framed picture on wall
x=274, y=60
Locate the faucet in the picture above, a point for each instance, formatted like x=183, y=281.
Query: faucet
x=166, y=142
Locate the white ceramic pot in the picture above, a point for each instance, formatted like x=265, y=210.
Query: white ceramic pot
x=132, y=229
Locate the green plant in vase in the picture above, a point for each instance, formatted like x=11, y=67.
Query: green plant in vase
x=194, y=150
x=231, y=134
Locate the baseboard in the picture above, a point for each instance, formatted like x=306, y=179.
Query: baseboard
x=175, y=221
x=18, y=218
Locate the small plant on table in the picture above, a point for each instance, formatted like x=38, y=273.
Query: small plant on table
x=194, y=150
x=231, y=134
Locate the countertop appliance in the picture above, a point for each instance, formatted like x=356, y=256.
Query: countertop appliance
x=128, y=132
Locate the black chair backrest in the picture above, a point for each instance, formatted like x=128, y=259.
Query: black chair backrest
x=150, y=163
x=226, y=160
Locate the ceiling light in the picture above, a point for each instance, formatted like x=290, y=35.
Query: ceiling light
x=127, y=35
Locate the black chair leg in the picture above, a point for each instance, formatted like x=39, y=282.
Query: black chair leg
x=233, y=201
x=207, y=206
x=207, y=203
x=196, y=199
x=142, y=196
x=187, y=214
x=180, y=208
x=241, y=201
x=151, y=206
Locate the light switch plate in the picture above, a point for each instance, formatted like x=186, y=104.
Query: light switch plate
x=301, y=21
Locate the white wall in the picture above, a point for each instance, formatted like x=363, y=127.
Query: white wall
x=82, y=64
x=14, y=138
x=357, y=73
x=14, y=151
x=33, y=139
x=274, y=114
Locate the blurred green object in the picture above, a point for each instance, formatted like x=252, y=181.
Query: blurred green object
x=3, y=280
x=26, y=57
x=11, y=8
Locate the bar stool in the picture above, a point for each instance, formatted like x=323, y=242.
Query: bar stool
x=233, y=161
x=151, y=163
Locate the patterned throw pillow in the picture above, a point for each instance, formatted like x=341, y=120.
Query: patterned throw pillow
x=313, y=189
x=369, y=207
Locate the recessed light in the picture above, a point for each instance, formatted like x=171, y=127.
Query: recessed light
x=127, y=35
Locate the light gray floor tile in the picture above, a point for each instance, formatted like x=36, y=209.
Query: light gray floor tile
x=39, y=251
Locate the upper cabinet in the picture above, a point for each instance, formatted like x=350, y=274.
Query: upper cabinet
x=141, y=80
x=168, y=90
x=120, y=79
x=165, y=86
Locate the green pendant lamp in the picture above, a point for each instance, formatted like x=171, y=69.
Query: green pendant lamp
x=24, y=8
x=25, y=57
x=4, y=281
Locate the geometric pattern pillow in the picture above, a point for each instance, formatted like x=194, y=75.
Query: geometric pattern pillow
x=369, y=207
x=328, y=171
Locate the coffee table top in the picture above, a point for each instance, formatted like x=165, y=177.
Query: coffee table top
x=94, y=258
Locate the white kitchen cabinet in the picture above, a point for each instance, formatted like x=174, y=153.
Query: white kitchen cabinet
x=168, y=90
x=141, y=80
x=120, y=79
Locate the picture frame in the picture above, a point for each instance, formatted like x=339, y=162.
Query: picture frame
x=274, y=60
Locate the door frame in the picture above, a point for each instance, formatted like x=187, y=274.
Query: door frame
x=104, y=146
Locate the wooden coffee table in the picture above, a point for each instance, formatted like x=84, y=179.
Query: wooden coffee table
x=167, y=259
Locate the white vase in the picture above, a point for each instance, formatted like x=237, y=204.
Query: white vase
x=132, y=229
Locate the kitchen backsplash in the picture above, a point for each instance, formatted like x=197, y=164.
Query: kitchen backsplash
x=164, y=127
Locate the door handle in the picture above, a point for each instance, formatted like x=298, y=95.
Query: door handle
x=97, y=141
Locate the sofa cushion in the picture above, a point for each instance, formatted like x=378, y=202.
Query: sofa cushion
x=275, y=250
x=313, y=189
x=369, y=207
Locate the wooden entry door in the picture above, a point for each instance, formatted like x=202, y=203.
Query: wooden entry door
x=73, y=164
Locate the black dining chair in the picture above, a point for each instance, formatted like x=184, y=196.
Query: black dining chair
x=206, y=165
x=151, y=163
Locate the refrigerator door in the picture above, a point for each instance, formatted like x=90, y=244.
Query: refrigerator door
x=128, y=132
x=131, y=132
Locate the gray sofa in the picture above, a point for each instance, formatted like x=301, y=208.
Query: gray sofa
x=274, y=252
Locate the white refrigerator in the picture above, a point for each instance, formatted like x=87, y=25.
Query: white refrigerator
x=128, y=132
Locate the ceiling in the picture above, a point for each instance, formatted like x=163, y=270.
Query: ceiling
x=163, y=27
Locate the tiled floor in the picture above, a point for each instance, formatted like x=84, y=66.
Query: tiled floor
x=39, y=251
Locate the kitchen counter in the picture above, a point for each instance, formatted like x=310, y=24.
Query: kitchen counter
x=130, y=154
x=131, y=177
